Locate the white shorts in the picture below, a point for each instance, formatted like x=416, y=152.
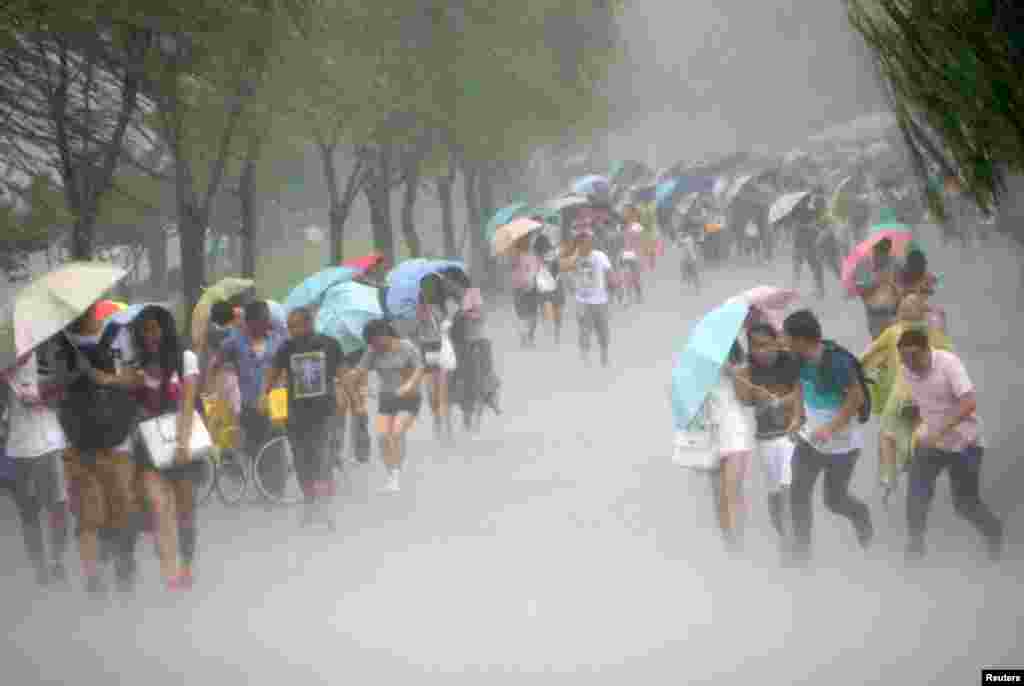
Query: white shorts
x=777, y=461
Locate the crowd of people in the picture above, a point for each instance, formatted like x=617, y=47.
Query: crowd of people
x=787, y=395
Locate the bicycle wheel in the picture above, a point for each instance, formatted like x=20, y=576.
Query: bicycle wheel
x=274, y=472
x=232, y=477
x=206, y=479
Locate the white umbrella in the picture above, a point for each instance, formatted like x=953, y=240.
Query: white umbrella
x=782, y=207
x=566, y=201
x=48, y=304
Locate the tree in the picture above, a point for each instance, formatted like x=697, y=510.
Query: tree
x=954, y=75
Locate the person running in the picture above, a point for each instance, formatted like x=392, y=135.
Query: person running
x=526, y=265
x=35, y=443
x=948, y=438
x=99, y=460
x=689, y=266
x=876, y=282
x=591, y=269
x=829, y=441
x=552, y=302
x=400, y=370
x=805, y=245
x=632, y=251
x=166, y=383
x=310, y=362
x=771, y=383
x=890, y=395
x=250, y=351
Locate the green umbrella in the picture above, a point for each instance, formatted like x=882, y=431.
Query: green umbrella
x=504, y=216
x=225, y=289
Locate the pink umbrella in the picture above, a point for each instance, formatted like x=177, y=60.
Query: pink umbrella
x=365, y=263
x=767, y=305
x=901, y=241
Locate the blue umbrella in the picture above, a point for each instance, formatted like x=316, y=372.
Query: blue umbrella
x=594, y=184
x=312, y=289
x=344, y=313
x=679, y=186
x=404, y=284
x=502, y=217
x=698, y=367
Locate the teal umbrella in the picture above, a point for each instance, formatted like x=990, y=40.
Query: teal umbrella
x=345, y=311
x=504, y=216
x=697, y=368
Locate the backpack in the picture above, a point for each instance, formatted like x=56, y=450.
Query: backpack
x=96, y=417
x=833, y=348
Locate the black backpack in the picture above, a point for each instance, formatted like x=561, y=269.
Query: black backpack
x=833, y=348
x=96, y=417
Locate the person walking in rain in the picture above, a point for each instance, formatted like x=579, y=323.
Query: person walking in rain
x=805, y=244
x=591, y=269
x=829, y=440
x=949, y=437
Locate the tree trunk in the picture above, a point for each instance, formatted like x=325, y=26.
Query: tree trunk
x=83, y=236
x=478, y=252
x=192, y=235
x=156, y=251
x=485, y=186
x=444, y=195
x=250, y=220
x=378, y=195
x=412, y=191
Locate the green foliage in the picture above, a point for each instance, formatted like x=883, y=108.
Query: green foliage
x=956, y=85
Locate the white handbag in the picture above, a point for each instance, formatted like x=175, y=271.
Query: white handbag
x=695, y=450
x=159, y=435
x=446, y=358
x=545, y=282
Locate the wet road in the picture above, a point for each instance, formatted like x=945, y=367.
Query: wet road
x=561, y=546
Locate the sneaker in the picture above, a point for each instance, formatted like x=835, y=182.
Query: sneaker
x=392, y=486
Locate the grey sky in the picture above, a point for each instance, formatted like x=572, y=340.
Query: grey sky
x=704, y=75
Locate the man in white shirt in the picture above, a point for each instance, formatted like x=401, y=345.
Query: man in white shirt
x=35, y=444
x=590, y=269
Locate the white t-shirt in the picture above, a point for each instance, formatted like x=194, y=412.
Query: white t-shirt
x=34, y=430
x=592, y=278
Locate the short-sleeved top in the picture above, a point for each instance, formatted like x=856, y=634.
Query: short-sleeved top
x=938, y=392
x=34, y=429
x=153, y=403
x=237, y=349
x=592, y=278
x=390, y=365
x=824, y=393
x=311, y=364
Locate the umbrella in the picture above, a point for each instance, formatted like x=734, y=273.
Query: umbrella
x=403, y=292
x=105, y=308
x=768, y=302
x=629, y=171
x=130, y=313
x=225, y=289
x=502, y=217
x=345, y=311
x=785, y=205
x=49, y=303
x=901, y=241
x=669, y=191
x=697, y=368
x=365, y=263
x=507, y=235
x=594, y=184
x=566, y=201
x=312, y=288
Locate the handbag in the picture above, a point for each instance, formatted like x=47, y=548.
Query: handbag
x=694, y=450
x=446, y=358
x=544, y=282
x=159, y=435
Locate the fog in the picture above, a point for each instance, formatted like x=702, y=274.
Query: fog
x=561, y=545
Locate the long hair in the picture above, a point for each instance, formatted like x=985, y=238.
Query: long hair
x=169, y=356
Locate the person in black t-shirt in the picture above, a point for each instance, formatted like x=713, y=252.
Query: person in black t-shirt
x=310, y=363
x=771, y=384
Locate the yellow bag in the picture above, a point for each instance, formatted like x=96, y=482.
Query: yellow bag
x=279, y=406
x=221, y=422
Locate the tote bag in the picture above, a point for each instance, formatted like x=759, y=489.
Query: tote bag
x=159, y=435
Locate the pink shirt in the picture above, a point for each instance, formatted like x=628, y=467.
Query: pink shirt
x=938, y=393
x=525, y=270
